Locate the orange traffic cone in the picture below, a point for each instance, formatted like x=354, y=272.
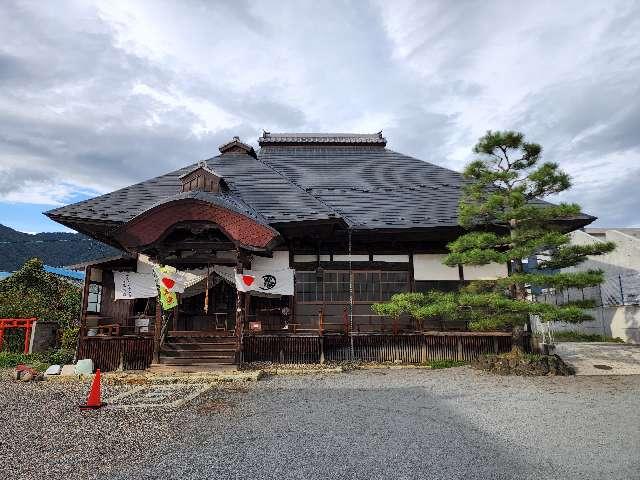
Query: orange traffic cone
x=93, y=400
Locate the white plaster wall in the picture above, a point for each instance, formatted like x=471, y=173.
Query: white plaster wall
x=305, y=258
x=429, y=266
x=279, y=261
x=490, y=271
x=391, y=258
x=354, y=258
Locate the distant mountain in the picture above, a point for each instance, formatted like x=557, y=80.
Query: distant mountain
x=56, y=249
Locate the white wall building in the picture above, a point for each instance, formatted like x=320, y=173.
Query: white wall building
x=618, y=313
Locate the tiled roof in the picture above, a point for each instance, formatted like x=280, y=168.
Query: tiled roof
x=250, y=181
x=301, y=177
x=372, y=187
x=322, y=139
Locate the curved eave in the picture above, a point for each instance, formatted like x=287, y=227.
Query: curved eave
x=243, y=229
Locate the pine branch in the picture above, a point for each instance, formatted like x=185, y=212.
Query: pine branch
x=560, y=281
x=570, y=255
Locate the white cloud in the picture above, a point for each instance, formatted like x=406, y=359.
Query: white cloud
x=113, y=92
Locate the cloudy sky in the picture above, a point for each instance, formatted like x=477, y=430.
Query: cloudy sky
x=96, y=96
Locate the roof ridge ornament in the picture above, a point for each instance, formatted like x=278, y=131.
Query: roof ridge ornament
x=202, y=179
x=322, y=139
x=236, y=146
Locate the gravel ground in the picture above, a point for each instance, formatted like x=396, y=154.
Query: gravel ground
x=448, y=424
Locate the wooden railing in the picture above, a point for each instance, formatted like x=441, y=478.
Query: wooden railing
x=321, y=323
x=374, y=347
x=113, y=353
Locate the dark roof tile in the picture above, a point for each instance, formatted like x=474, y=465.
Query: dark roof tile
x=302, y=177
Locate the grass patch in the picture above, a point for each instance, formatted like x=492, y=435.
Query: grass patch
x=436, y=364
x=37, y=361
x=584, y=337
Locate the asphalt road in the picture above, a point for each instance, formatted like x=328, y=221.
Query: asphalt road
x=446, y=424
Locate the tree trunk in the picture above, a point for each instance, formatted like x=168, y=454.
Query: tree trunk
x=518, y=292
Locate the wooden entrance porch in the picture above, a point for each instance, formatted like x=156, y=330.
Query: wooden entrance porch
x=198, y=348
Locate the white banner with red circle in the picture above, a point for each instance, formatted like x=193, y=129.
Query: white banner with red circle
x=274, y=282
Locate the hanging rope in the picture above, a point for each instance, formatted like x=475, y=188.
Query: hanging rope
x=206, y=293
x=351, y=300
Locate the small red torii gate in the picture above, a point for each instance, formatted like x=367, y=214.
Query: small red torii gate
x=26, y=323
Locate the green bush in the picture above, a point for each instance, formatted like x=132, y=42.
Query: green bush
x=437, y=364
x=70, y=338
x=37, y=361
x=13, y=340
x=9, y=359
x=571, y=336
x=33, y=292
x=62, y=356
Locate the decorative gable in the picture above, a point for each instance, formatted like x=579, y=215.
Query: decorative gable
x=236, y=146
x=202, y=179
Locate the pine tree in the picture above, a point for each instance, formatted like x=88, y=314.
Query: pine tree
x=507, y=221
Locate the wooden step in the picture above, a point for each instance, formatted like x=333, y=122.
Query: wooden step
x=196, y=361
x=198, y=353
x=221, y=347
x=199, y=333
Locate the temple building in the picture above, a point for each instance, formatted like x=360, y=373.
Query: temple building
x=317, y=226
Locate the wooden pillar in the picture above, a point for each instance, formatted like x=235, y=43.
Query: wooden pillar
x=321, y=334
x=292, y=298
x=157, y=332
x=412, y=281
x=82, y=332
x=175, y=320
x=239, y=316
x=27, y=335
x=247, y=305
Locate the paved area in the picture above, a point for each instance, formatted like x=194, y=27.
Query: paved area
x=157, y=396
x=601, y=358
x=400, y=424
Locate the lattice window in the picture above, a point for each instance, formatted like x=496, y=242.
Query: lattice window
x=366, y=286
x=333, y=286
x=336, y=286
x=308, y=287
x=392, y=283
x=95, y=298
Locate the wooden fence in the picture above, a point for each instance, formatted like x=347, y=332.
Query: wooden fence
x=112, y=353
x=407, y=348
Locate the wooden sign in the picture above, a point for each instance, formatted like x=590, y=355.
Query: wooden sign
x=255, y=326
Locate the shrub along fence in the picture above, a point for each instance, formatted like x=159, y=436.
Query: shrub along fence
x=406, y=348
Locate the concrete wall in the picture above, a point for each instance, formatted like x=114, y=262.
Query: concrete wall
x=623, y=260
x=612, y=321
